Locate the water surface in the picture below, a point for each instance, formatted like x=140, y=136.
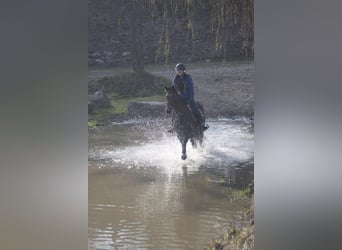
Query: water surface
x=143, y=196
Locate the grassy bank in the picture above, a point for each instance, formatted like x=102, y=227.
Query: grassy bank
x=238, y=238
x=122, y=88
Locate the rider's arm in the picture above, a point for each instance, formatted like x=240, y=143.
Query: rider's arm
x=189, y=90
x=176, y=85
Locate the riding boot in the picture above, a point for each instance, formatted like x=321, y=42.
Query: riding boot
x=202, y=122
x=199, y=116
x=204, y=127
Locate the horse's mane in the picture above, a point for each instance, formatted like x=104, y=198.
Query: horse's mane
x=175, y=101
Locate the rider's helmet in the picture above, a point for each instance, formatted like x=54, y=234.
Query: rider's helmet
x=180, y=66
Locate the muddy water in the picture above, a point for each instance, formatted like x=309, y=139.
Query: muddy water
x=143, y=196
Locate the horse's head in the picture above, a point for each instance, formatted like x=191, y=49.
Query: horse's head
x=171, y=97
x=171, y=92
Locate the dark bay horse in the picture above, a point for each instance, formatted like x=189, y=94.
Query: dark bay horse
x=183, y=121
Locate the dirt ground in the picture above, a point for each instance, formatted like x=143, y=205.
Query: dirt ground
x=223, y=89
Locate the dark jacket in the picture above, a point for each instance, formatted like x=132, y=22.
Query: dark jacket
x=185, y=87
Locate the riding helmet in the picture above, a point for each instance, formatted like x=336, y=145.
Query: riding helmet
x=180, y=66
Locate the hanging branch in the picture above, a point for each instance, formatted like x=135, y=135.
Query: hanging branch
x=231, y=23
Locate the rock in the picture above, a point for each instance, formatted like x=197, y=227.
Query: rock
x=100, y=99
x=99, y=61
x=96, y=54
x=113, y=41
x=126, y=53
x=107, y=53
x=146, y=109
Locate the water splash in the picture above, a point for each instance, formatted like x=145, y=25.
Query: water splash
x=144, y=196
x=226, y=142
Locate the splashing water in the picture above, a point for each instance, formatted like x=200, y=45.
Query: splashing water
x=143, y=196
x=226, y=142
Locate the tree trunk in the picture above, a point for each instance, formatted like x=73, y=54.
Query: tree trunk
x=136, y=35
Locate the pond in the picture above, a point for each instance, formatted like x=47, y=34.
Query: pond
x=143, y=196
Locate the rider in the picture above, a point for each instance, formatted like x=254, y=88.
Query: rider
x=185, y=88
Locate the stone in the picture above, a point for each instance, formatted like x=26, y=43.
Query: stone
x=113, y=41
x=96, y=54
x=99, y=61
x=100, y=99
x=126, y=53
x=107, y=53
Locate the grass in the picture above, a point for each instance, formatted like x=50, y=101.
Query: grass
x=123, y=88
x=241, y=194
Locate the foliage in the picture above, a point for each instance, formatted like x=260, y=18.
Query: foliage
x=229, y=27
x=227, y=18
x=241, y=194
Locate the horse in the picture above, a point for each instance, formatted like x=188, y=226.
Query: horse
x=183, y=121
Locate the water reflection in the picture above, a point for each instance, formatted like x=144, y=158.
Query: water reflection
x=143, y=196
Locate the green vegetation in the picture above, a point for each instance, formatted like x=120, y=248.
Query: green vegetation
x=241, y=194
x=122, y=88
x=236, y=237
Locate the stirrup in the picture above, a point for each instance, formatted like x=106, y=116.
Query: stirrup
x=204, y=127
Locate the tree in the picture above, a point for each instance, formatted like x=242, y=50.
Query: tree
x=137, y=35
x=231, y=21
x=230, y=27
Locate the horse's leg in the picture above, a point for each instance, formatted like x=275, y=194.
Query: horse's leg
x=184, y=142
x=194, y=145
x=200, y=138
